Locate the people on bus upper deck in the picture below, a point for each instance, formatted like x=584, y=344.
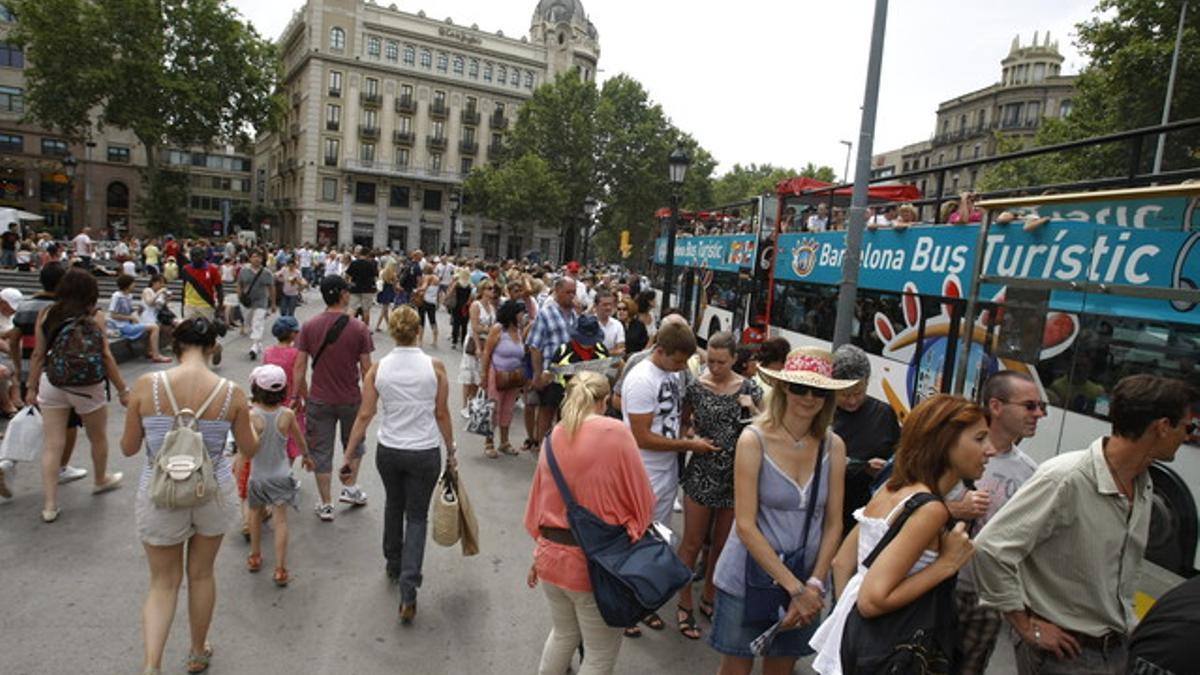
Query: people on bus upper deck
x=1014, y=406
x=819, y=221
x=867, y=425
x=1091, y=510
x=837, y=221
x=906, y=216
x=788, y=222
x=884, y=217
x=967, y=211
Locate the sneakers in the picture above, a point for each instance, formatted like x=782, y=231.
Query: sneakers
x=353, y=496
x=71, y=473
x=325, y=512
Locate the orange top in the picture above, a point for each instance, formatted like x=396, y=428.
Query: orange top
x=603, y=468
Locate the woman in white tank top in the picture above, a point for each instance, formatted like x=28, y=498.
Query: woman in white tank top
x=413, y=389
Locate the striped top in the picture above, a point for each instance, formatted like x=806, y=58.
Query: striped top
x=215, y=431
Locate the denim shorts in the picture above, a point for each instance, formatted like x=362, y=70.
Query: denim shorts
x=729, y=637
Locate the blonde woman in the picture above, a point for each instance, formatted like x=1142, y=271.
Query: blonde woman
x=413, y=389
x=390, y=276
x=602, y=467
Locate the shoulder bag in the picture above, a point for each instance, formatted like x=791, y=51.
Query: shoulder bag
x=919, y=638
x=331, y=336
x=244, y=298
x=765, y=599
x=630, y=579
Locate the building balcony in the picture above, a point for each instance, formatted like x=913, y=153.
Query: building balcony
x=333, y=125
x=335, y=92
x=406, y=171
x=405, y=104
x=291, y=163
x=468, y=147
x=403, y=137
x=294, y=130
x=370, y=133
x=330, y=160
x=296, y=99
x=371, y=98
x=494, y=150
x=470, y=117
x=436, y=142
x=439, y=110
x=497, y=121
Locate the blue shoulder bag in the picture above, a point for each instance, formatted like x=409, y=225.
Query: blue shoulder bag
x=630, y=579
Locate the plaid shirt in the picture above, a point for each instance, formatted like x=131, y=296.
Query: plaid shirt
x=551, y=329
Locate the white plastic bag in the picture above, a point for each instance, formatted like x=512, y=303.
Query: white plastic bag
x=481, y=411
x=23, y=438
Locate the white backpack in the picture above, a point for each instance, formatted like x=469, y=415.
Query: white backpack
x=183, y=473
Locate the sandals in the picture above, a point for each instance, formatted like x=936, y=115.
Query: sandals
x=707, y=609
x=507, y=449
x=633, y=632
x=687, y=623
x=489, y=449
x=198, y=663
x=281, y=577
x=654, y=622
x=529, y=445
x=254, y=562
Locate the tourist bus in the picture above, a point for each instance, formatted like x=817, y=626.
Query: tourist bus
x=1106, y=288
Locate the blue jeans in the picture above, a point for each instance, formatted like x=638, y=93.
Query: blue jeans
x=409, y=477
x=287, y=305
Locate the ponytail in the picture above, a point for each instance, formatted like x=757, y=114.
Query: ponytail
x=583, y=392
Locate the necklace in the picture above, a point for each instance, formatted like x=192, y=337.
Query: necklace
x=1112, y=470
x=797, y=443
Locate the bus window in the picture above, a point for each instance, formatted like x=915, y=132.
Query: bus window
x=722, y=290
x=803, y=308
x=868, y=305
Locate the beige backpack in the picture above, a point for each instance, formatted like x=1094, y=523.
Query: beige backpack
x=183, y=473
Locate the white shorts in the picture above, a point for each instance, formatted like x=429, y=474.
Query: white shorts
x=169, y=527
x=83, y=400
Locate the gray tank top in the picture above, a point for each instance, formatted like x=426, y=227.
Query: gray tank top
x=271, y=460
x=781, y=513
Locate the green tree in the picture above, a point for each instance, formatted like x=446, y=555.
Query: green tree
x=164, y=196
x=744, y=182
x=822, y=173
x=173, y=72
x=518, y=192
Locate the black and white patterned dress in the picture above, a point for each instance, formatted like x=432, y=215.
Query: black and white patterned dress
x=708, y=478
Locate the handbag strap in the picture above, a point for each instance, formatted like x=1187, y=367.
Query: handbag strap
x=557, y=473
x=910, y=507
x=814, y=482
x=175, y=409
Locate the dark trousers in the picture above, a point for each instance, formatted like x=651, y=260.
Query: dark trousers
x=409, y=477
x=458, y=327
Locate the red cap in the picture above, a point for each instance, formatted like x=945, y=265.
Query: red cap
x=573, y=266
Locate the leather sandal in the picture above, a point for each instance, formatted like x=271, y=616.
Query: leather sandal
x=687, y=623
x=706, y=608
x=254, y=562
x=281, y=577
x=507, y=449
x=489, y=449
x=198, y=663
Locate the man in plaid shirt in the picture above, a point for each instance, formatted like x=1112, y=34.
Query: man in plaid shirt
x=551, y=329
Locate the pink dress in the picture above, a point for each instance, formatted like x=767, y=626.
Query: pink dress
x=285, y=357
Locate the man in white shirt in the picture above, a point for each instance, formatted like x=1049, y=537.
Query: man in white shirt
x=819, y=222
x=1014, y=406
x=614, y=332
x=83, y=246
x=305, y=255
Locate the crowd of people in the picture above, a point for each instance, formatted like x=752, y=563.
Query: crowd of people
x=781, y=482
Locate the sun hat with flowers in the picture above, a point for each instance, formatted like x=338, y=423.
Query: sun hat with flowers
x=809, y=366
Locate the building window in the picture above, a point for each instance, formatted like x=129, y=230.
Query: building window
x=404, y=124
x=54, y=146
x=12, y=143
x=978, y=149
x=6, y=14
x=332, y=150
x=426, y=58
x=529, y=80
x=118, y=154
x=432, y=200
x=472, y=104
x=402, y=158
x=335, y=83
x=410, y=55
x=364, y=192
x=438, y=129
x=1039, y=72
x=329, y=189
x=468, y=134
x=1064, y=108
x=11, y=56
x=442, y=62
x=54, y=188
x=458, y=64
x=371, y=118
x=473, y=69
x=333, y=116
x=467, y=165
x=337, y=39
x=372, y=86
x=501, y=75
x=406, y=92
x=366, y=152
x=374, y=45
x=1033, y=113
x=12, y=99
x=487, y=72
x=398, y=197
x=435, y=162
x=393, y=51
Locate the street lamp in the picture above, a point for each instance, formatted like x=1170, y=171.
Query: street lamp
x=846, y=171
x=69, y=164
x=590, y=206
x=455, y=225
x=677, y=164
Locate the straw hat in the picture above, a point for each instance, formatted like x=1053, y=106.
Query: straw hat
x=808, y=366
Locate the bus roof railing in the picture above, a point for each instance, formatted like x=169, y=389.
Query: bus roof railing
x=1177, y=190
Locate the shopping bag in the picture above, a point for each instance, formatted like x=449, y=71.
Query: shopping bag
x=446, y=511
x=467, y=525
x=23, y=438
x=481, y=410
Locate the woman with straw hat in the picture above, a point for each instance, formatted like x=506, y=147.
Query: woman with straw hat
x=788, y=475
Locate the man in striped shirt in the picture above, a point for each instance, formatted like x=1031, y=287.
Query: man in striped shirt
x=551, y=330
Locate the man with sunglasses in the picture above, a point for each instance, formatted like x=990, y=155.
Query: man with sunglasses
x=1014, y=406
x=1061, y=559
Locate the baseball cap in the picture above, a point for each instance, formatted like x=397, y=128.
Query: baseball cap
x=269, y=378
x=331, y=289
x=284, y=326
x=12, y=296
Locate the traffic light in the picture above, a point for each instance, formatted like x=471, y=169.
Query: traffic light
x=626, y=246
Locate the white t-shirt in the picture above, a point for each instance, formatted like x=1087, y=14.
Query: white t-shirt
x=445, y=273
x=818, y=223
x=129, y=268
x=880, y=219
x=614, y=333
x=306, y=257
x=1004, y=475
x=650, y=389
x=82, y=244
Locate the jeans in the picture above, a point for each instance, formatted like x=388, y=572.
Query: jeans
x=1091, y=661
x=576, y=618
x=287, y=304
x=409, y=477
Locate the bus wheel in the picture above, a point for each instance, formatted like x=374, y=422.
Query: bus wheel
x=1173, y=526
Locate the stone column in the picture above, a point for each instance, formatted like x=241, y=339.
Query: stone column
x=346, y=228
x=381, y=211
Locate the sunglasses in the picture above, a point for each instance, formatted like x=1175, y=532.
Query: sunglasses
x=1029, y=405
x=802, y=389
x=1191, y=428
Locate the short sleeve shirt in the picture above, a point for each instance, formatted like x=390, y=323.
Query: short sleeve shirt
x=335, y=379
x=614, y=333
x=551, y=329
x=82, y=244
x=259, y=291
x=362, y=273
x=649, y=389
x=209, y=278
x=151, y=254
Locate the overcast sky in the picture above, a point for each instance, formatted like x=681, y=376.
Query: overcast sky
x=768, y=81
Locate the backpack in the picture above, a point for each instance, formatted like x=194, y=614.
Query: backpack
x=76, y=354
x=183, y=476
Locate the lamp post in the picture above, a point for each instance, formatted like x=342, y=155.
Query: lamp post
x=69, y=165
x=846, y=171
x=455, y=225
x=590, y=206
x=677, y=164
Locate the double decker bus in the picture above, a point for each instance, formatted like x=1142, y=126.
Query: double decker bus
x=1106, y=288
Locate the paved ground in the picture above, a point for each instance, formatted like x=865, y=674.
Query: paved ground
x=72, y=591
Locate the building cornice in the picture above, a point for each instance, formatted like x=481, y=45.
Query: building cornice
x=1054, y=82
x=456, y=45
x=521, y=94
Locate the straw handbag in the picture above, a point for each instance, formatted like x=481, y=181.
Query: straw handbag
x=446, y=529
